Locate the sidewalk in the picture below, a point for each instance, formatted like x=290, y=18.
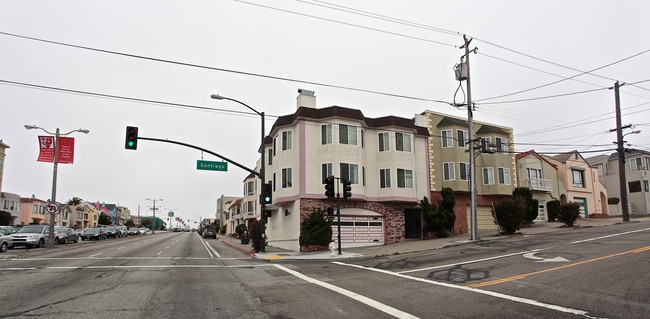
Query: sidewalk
x=414, y=245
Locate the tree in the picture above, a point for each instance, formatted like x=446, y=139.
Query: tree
x=104, y=220
x=74, y=201
x=434, y=219
x=146, y=222
x=129, y=223
x=316, y=229
x=446, y=208
x=5, y=218
x=526, y=195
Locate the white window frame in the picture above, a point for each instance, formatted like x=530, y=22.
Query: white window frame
x=636, y=164
x=327, y=170
x=384, y=141
x=287, y=177
x=326, y=134
x=403, y=142
x=488, y=175
x=286, y=140
x=384, y=178
x=504, y=175
x=449, y=171
x=404, y=178
x=501, y=145
x=578, y=173
x=348, y=134
x=447, y=138
x=463, y=138
x=460, y=170
x=350, y=171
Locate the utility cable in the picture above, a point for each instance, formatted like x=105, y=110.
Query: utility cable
x=226, y=70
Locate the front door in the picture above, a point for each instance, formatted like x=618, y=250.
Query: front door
x=582, y=202
x=413, y=223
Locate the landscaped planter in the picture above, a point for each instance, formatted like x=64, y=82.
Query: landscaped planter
x=310, y=248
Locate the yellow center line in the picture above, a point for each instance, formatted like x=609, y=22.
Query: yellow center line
x=522, y=276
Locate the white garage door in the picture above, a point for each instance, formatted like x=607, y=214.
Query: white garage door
x=358, y=231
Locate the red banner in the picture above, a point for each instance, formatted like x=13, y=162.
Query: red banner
x=66, y=149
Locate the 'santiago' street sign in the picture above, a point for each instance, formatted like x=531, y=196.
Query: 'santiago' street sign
x=211, y=166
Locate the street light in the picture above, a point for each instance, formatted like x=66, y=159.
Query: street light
x=57, y=133
x=153, y=231
x=261, y=175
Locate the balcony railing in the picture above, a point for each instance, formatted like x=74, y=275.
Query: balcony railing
x=540, y=184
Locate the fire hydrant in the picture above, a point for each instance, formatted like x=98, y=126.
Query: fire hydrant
x=332, y=249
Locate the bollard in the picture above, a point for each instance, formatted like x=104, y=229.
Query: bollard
x=332, y=249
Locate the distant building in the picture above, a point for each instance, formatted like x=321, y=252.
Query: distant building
x=637, y=175
x=3, y=147
x=11, y=203
x=540, y=176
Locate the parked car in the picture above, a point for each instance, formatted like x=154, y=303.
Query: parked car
x=134, y=231
x=31, y=236
x=144, y=230
x=6, y=241
x=93, y=233
x=65, y=235
x=112, y=231
x=123, y=231
x=209, y=232
x=8, y=229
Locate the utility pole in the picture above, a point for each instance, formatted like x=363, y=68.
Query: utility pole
x=470, y=121
x=621, y=154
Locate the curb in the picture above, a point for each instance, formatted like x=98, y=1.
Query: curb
x=252, y=254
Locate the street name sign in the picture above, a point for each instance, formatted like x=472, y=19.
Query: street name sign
x=211, y=166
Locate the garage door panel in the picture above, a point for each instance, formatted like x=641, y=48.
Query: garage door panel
x=357, y=231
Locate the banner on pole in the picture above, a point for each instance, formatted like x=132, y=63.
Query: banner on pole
x=47, y=146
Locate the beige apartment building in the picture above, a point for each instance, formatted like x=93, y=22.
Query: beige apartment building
x=540, y=175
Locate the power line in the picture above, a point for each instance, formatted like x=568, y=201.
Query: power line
x=226, y=70
x=544, y=97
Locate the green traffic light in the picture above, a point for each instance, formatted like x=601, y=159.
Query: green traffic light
x=131, y=143
x=267, y=199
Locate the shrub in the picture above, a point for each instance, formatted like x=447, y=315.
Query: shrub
x=5, y=218
x=240, y=229
x=508, y=214
x=613, y=200
x=316, y=229
x=434, y=219
x=255, y=235
x=222, y=229
x=553, y=209
x=568, y=213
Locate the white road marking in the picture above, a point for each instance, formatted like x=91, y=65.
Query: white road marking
x=117, y=258
x=468, y=262
x=480, y=291
x=612, y=235
x=363, y=299
x=209, y=248
x=158, y=254
x=139, y=267
x=18, y=268
x=167, y=247
x=97, y=254
x=118, y=248
x=545, y=260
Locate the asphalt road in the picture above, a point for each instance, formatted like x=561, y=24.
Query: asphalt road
x=583, y=273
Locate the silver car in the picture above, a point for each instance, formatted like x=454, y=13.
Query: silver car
x=31, y=236
x=6, y=241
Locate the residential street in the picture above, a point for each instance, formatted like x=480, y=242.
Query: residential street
x=580, y=273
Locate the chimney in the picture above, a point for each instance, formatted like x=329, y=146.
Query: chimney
x=306, y=98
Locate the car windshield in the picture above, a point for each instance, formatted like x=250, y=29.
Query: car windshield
x=61, y=230
x=92, y=231
x=31, y=229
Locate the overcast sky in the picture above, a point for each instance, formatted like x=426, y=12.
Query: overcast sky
x=402, y=51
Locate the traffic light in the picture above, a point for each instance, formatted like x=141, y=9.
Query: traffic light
x=267, y=193
x=268, y=213
x=347, y=188
x=330, y=211
x=131, y=138
x=329, y=186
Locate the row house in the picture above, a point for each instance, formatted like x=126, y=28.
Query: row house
x=233, y=215
x=32, y=211
x=540, y=175
x=384, y=158
x=581, y=183
x=11, y=203
x=448, y=152
x=637, y=171
x=222, y=210
x=81, y=216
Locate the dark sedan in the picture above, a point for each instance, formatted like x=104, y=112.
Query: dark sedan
x=210, y=232
x=65, y=235
x=93, y=233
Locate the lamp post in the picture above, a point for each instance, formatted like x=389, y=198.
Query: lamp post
x=261, y=175
x=153, y=231
x=57, y=133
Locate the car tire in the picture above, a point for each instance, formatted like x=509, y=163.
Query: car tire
x=3, y=248
x=65, y=241
x=41, y=243
x=76, y=240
